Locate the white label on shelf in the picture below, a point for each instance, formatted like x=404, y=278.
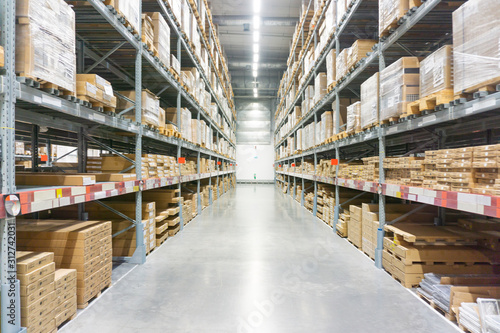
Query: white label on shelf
x=79, y=199
x=99, y=195
x=416, y=190
x=469, y=207
x=77, y=190
x=37, y=100
x=65, y=201
x=99, y=117
x=163, y=182
x=484, y=200
x=41, y=205
x=412, y=197
x=88, y=180
x=428, y=119
x=129, y=184
x=467, y=198
x=484, y=104
x=426, y=199
x=114, y=192
x=51, y=101
x=430, y=193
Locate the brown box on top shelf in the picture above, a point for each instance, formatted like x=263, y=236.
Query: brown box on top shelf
x=331, y=66
x=161, y=37
x=84, y=246
x=129, y=10
x=341, y=64
x=35, y=29
x=54, y=179
x=436, y=73
x=354, y=228
x=150, y=107
x=390, y=11
x=36, y=277
x=399, y=85
x=475, y=25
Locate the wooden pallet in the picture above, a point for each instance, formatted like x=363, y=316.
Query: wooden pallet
x=84, y=305
x=370, y=126
x=390, y=120
x=449, y=316
x=431, y=235
x=49, y=87
x=430, y=103
x=61, y=325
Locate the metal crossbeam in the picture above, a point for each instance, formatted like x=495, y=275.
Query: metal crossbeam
x=60, y=157
x=406, y=215
x=109, y=148
x=104, y=57
x=126, y=110
x=115, y=211
x=355, y=197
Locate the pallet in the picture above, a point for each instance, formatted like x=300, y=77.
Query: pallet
x=46, y=86
x=370, y=126
x=93, y=298
x=390, y=121
x=478, y=91
x=430, y=235
x=61, y=325
x=174, y=74
x=449, y=316
x=434, y=102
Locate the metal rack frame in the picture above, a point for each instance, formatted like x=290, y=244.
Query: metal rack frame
x=94, y=128
x=477, y=111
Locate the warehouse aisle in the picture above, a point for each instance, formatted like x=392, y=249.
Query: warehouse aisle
x=257, y=262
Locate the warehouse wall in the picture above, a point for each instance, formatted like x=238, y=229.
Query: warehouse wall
x=253, y=121
x=252, y=160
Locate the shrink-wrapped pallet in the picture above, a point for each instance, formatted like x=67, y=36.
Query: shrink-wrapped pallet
x=341, y=64
x=331, y=67
x=358, y=51
x=326, y=125
x=476, y=35
x=186, y=124
x=436, y=72
x=389, y=12
x=342, y=117
x=299, y=139
x=399, y=85
x=341, y=10
x=353, y=117
x=370, y=101
x=186, y=19
x=320, y=87
x=45, y=42
x=317, y=133
x=330, y=18
x=150, y=107
x=161, y=38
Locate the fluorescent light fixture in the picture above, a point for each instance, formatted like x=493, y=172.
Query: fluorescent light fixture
x=255, y=66
x=256, y=22
x=255, y=74
x=255, y=95
x=256, y=36
x=255, y=57
x=255, y=91
x=255, y=48
x=256, y=6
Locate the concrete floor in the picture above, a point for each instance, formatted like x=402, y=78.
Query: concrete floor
x=257, y=262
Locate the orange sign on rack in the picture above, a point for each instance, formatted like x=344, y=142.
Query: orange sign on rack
x=334, y=161
x=218, y=163
x=44, y=158
x=182, y=160
x=293, y=165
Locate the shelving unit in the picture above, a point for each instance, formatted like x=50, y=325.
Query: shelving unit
x=111, y=50
x=460, y=123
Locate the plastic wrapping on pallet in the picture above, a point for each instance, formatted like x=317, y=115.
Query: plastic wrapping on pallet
x=389, y=12
x=330, y=68
x=326, y=125
x=186, y=18
x=476, y=56
x=436, y=72
x=353, y=118
x=175, y=64
x=341, y=9
x=317, y=133
x=343, y=104
x=161, y=38
x=399, y=85
x=45, y=41
x=320, y=87
x=129, y=9
x=369, y=101
x=176, y=6
x=358, y=51
x=341, y=64
x=299, y=139
x=150, y=107
x=330, y=18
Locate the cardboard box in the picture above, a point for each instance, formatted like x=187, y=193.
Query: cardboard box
x=370, y=101
x=54, y=179
x=436, y=71
x=28, y=261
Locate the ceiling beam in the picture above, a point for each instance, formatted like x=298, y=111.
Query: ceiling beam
x=237, y=20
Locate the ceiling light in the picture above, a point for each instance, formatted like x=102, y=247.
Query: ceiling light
x=255, y=91
x=255, y=57
x=255, y=66
x=256, y=6
x=255, y=74
x=255, y=48
x=255, y=95
x=256, y=22
x=256, y=36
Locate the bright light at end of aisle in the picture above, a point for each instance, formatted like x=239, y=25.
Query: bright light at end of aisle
x=256, y=22
x=256, y=6
x=255, y=74
x=255, y=67
x=256, y=36
x=256, y=57
x=255, y=91
x=255, y=48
